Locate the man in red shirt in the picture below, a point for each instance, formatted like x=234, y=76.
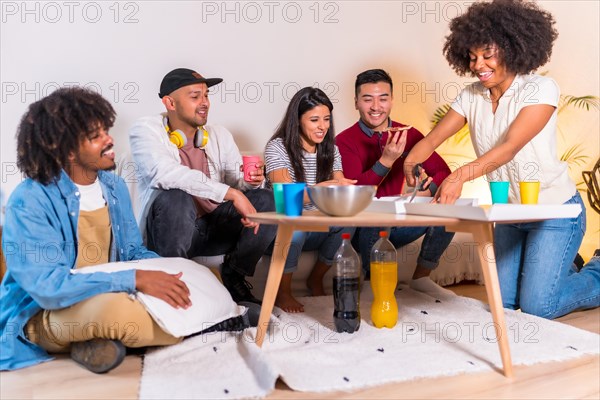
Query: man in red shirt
x=373, y=155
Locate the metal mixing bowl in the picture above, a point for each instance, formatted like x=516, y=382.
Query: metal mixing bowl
x=340, y=200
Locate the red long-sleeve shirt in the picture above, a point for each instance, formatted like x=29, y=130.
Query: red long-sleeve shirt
x=360, y=152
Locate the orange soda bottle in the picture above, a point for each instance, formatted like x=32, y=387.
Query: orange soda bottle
x=384, y=277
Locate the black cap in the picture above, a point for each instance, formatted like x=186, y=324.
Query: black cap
x=181, y=77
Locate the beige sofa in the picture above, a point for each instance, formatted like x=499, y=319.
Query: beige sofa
x=460, y=262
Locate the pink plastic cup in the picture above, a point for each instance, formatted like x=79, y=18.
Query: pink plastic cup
x=250, y=165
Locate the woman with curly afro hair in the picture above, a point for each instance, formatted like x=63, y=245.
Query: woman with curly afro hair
x=511, y=114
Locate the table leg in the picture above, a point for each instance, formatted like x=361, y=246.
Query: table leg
x=280, y=251
x=485, y=248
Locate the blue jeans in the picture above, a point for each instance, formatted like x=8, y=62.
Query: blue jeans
x=534, y=262
x=327, y=243
x=434, y=243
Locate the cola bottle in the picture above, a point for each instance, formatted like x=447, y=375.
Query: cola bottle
x=346, y=283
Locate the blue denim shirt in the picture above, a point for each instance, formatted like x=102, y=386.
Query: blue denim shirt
x=40, y=245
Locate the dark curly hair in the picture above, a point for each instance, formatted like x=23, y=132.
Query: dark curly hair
x=289, y=131
x=53, y=127
x=523, y=32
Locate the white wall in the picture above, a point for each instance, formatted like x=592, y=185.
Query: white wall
x=264, y=50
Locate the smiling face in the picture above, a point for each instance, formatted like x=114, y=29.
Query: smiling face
x=95, y=154
x=187, y=107
x=314, y=125
x=486, y=64
x=374, y=103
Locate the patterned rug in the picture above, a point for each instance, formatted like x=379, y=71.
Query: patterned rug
x=438, y=334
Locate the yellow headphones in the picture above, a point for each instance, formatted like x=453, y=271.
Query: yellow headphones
x=179, y=139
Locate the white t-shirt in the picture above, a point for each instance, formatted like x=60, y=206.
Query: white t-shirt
x=538, y=159
x=91, y=196
x=276, y=157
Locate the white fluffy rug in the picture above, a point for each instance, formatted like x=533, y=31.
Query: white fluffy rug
x=440, y=334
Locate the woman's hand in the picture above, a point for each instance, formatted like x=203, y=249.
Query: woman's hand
x=167, y=287
x=449, y=190
x=340, y=181
x=409, y=172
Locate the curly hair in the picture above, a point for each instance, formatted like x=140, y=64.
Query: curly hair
x=289, y=131
x=53, y=127
x=523, y=32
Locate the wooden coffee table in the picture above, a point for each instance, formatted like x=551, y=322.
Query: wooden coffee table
x=316, y=221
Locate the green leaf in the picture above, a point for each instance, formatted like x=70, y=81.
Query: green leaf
x=583, y=102
x=439, y=113
x=575, y=155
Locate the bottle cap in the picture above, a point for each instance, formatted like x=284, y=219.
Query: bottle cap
x=345, y=236
x=383, y=234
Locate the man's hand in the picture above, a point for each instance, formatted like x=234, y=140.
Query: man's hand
x=243, y=206
x=257, y=176
x=393, y=149
x=167, y=287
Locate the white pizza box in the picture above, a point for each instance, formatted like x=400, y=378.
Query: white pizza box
x=496, y=212
x=395, y=204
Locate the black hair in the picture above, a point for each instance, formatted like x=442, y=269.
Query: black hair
x=523, y=32
x=289, y=131
x=372, y=76
x=53, y=127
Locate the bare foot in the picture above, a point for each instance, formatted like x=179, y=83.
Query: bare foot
x=284, y=299
x=288, y=303
x=315, y=279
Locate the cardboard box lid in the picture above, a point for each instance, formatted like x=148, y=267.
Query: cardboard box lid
x=496, y=212
x=395, y=204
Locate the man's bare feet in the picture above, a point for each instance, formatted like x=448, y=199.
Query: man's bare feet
x=315, y=279
x=288, y=303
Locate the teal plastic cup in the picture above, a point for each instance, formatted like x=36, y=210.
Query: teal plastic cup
x=278, y=196
x=293, y=198
x=499, y=191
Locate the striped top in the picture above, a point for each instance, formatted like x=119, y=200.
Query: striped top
x=276, y=157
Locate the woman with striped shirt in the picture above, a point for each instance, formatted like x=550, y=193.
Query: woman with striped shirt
x=303, y=150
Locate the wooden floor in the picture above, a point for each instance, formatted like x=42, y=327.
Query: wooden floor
x=575, y=379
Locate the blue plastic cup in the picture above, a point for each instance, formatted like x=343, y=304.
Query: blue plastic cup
x=278, y=196
x=499, y=192
x=293, y=198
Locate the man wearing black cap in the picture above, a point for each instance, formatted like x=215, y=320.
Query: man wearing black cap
x=194, y=201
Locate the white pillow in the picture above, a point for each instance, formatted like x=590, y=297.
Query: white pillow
x=211, y=302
